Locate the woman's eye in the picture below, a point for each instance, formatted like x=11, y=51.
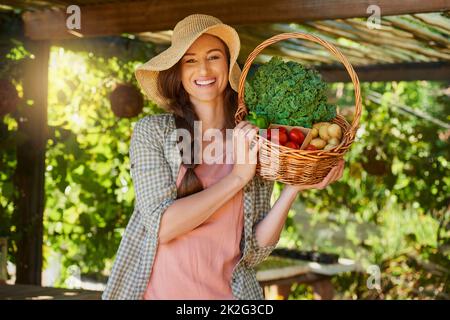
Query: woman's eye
x=210, y=58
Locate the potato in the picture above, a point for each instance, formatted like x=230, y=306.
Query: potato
x=318, y=143
x=334, y=131
x=334, y=141
x=314, y=133
x=329, y=146
x=323, y=132
x=319, y=124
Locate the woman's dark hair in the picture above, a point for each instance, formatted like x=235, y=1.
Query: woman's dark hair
x=171, y=87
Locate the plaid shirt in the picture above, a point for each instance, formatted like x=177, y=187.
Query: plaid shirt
x=155, y=163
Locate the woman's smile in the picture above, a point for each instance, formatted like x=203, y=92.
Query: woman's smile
x=205, y=83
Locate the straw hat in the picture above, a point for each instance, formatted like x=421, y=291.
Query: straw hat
x=184, y=34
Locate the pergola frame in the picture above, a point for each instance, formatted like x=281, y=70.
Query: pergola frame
x=44, y=26
x=139, y=16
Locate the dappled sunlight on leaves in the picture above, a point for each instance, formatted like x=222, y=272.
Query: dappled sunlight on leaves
x=390, y=207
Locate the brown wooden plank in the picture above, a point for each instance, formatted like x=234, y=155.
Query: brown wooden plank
x=22, y=291
x=433, y=71
x=30, y=169
x=10, y=291
x=141, y=16
x=301, y=278
x=28, y=292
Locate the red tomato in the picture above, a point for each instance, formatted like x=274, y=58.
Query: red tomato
x=283, y=138
x=278, y=136
x=297, y=136
x=310, y=147
x=292, y=145
x=282, y=129
x=269, y=134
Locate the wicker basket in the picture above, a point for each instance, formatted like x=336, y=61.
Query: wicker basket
x=292, y=166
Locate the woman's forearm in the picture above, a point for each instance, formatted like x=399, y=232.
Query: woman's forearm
x=187, y=213
x=268, y=230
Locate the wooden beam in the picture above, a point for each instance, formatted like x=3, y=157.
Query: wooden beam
x=30, y=292
x=30, y=169
x=433, y=71
x=141, y=16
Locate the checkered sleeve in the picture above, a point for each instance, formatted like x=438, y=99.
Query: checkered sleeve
x=154, y=187
x=263, y=194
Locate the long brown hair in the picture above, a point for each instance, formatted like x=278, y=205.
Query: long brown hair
x=171, y=87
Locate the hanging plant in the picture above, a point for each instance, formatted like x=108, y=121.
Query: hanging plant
x=126, y=101
x=9, y=98
x=375, y=165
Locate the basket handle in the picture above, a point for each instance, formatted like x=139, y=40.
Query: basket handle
x=242, y=109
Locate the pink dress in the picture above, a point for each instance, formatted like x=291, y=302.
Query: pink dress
x=199, y=264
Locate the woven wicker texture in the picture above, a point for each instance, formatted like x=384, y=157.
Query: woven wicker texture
x=292, y=166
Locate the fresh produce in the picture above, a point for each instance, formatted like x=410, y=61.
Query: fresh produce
x=291, y=144
x=257, y=119
x=334, y=131
x=289, y=138
x=268, y=135
x=310, y=147
x=323, y=132
x=318, y=143
x=294, y=138
x=297, y=136
x=279, y=137
x=282, y=129
x=289, y=94
x=317, y=125
x=333, y=141
x=325, y=136
x=329, y=146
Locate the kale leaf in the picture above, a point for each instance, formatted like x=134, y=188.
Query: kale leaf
x=289, y=94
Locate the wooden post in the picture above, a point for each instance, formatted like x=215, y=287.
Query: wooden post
x=29, y=175
x=323, y=289
x=3, y=259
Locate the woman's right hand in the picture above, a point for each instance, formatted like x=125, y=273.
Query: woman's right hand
x=245, y=154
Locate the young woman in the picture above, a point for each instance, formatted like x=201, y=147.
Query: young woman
x=198, y=228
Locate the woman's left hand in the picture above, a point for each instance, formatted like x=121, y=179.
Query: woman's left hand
x=334, y=175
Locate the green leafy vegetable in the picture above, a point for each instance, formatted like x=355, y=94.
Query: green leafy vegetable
x=258, y=120
x=289, y=94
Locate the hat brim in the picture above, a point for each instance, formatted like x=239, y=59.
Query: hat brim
x=147, y=74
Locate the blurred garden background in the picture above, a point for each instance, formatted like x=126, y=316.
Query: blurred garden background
x=391, y=209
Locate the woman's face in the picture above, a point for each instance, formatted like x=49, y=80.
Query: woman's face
x=204, y=69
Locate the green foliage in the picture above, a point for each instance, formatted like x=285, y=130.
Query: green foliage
x=12, y=50
x=396, y=218
x=289, y=94
x=301, y=291
x=12, y=56
x=90, y=194
x=8, y=191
